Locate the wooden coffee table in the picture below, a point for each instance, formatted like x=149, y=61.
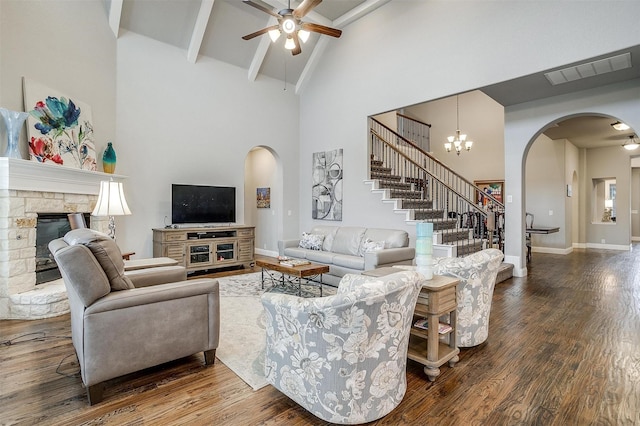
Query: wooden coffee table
x=295, y=273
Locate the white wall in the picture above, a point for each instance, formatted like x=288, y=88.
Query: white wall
x=545, y=186
x=481, y=119
x=405, y=53
x=572, y=171
x=610, y=163
x=635, y=204
x=180, y=122
x=65, y=45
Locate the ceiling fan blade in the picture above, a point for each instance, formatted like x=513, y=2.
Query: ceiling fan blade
x=296, y=50
x=317, y=28
x=262, y=8
x=258, y=33
x=305, y=7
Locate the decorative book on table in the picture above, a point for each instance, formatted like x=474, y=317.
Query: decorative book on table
x=423, y=324
x=294, y=262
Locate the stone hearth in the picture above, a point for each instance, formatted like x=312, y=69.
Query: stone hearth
x=26, y=189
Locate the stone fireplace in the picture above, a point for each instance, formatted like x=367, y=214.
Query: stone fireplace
x=28, y=188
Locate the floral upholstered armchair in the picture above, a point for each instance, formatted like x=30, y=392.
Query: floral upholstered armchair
x=343, y=357
x=477, y=274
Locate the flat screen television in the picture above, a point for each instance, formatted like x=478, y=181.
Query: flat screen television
x=202, y=204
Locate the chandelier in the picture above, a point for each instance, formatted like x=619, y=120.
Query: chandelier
x=459, y=140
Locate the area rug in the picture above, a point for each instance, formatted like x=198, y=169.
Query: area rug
x=242, y=324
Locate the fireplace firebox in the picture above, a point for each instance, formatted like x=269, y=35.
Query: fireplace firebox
x=49, y=227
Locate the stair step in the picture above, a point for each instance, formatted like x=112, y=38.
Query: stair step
x=395, y=193
x=442, y=224
x=392, y=184
x=505, y=272
x=376, y=163
x=467, y=247
x=429, y=214
x=416, y=204
x=385, y=176
x=452, y=235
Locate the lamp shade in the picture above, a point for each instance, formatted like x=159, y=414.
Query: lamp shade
x=111, y=201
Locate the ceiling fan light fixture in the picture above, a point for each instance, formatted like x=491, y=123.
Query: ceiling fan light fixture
x=303, y=35
x=632, y=144
x=289, y=44
x=288, y=25
x=619, y=125
x=274, y=35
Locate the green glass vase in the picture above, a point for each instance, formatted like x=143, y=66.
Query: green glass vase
x=109, y=159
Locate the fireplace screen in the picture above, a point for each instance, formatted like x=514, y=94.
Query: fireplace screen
x=50, y=226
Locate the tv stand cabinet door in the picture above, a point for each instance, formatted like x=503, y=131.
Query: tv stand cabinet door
x=199, y=255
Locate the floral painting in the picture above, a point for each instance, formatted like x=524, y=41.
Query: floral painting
x=59, y=129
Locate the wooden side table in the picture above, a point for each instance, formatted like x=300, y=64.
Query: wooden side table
x=438, y=297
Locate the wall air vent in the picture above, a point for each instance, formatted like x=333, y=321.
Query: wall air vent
x=589, y=69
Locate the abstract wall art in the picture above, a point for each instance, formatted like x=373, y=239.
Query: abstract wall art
x=327, y=185
x=59, y=128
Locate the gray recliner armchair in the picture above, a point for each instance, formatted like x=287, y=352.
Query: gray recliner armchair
x=122, y=323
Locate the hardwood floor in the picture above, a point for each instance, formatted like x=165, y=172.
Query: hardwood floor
x=563, y=349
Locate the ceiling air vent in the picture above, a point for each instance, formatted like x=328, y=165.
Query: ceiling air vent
x=589, y=69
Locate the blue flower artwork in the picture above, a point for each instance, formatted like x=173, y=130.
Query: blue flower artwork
x=59, y=129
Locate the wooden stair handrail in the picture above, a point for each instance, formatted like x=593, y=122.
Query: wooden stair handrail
x=440, y=163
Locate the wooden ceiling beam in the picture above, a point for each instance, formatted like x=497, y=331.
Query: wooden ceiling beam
x=115, y=14
x=197, y=35
x=261, y=53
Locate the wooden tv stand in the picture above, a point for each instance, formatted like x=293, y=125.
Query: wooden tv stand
x=199, y=249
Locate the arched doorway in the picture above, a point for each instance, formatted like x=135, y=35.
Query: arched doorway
x=263, y=188
x=563, y=166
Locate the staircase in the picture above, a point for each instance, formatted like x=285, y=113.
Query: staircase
x=422, y=188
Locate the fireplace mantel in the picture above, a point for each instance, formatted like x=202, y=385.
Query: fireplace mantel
x=26, y=189
x=28, y=175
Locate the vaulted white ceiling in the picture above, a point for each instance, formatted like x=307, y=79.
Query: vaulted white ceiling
x=214, y=28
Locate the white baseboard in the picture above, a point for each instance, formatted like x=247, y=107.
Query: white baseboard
x=635, y=238
x=609, y=246
x=515, y=261
x=552, y=250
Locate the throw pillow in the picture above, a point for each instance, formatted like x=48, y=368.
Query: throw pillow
x=106, y=253
x=369, y=245
x=311, y=241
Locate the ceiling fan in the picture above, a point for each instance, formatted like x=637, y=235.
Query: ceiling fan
x=290, y=22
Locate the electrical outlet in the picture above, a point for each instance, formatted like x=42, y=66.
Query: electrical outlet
x=550, y=212
x=602, y=241
x=509, y=198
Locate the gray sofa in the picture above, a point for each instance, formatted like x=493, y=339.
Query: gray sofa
x=351, y=250
x=125, y=322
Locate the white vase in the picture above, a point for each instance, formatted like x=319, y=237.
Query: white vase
x=13, y=121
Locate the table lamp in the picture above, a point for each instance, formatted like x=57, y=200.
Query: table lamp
x=111, y=202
